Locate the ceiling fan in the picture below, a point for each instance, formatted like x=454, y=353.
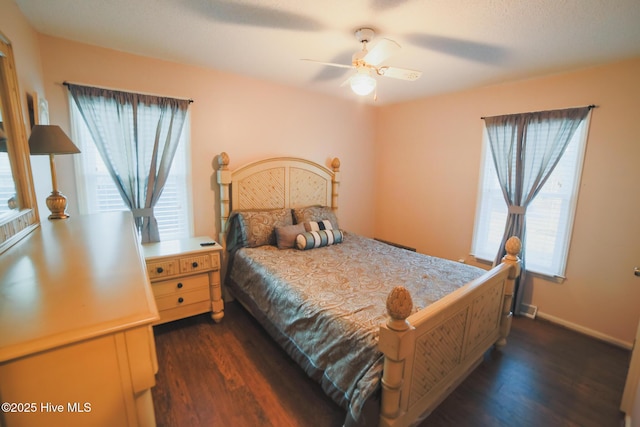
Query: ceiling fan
x=367, y=64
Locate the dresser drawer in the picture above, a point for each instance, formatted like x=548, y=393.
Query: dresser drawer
x=180, y=285
x=163, y=268
x=182, y=299
x=195, y=263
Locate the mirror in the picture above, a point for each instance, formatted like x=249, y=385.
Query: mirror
x=8, y=202
x=18, y=209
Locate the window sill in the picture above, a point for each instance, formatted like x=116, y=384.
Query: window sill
x=545, y=276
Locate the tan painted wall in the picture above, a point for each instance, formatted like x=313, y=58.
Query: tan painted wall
x=247, y=118
x=428, y=160
x=26, y=48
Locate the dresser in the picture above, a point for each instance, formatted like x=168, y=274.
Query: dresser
x=185, y=277
x=76, y=316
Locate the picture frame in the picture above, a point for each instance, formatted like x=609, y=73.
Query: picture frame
x=38, y=109
x=32, y=109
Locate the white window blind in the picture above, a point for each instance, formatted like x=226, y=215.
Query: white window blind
x=98, y=193
x=549, y=218
x=7, y=188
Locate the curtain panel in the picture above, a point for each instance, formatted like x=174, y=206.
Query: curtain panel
x=525, y=149
x=136, y=136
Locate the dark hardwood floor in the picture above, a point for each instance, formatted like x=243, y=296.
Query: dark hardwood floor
x=232, y=374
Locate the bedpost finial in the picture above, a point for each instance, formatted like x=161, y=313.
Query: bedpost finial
x=513, y=247
x=399, y=307
x=223, y=160
x=335, y=164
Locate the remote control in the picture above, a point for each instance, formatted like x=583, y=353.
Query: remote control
x=207, y=243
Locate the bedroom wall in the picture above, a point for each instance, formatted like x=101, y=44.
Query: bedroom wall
x=428, y=160
x=24, y=40
x=26, y=50
x=247, y=118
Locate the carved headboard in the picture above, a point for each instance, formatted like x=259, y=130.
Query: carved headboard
x=278, y=182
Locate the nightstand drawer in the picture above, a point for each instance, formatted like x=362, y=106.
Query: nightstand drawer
x=164, y=268
x=183, y=284
x=183, y=298
x=199, y=263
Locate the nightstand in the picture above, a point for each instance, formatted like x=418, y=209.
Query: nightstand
x=185, y=278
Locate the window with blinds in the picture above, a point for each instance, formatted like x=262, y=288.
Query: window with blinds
x=98, y=193
x=549, y=218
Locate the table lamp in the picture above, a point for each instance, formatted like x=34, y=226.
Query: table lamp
x=51, y=140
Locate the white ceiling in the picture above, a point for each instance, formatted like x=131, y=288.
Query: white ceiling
x=457, y=44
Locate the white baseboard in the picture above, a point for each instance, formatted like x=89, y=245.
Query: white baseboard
x=586, y=331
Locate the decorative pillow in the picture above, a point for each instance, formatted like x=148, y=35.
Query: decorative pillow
x=318, y=239
x=286, y=236
x=259, y=227
x=315, y=213
x=325, y=224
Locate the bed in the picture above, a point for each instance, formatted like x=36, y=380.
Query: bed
x=387, y=333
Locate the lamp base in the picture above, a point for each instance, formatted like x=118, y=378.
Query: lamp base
x=57, y=204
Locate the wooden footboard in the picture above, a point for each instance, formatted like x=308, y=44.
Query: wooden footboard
x=430, y=352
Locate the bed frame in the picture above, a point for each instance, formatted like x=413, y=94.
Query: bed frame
x=427, y=354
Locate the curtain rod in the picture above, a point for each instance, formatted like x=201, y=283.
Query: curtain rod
x=66, y=83
x=543, y=111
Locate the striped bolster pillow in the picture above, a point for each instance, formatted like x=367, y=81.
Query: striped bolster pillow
x=325, y=224
x=318, y=239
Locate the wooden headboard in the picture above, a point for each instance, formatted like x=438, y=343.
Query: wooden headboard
x=278, y=182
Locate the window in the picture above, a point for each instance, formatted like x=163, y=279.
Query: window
x=7, y=188
x=98, y=193
x=549, y=217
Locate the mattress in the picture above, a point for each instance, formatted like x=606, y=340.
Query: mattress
x=325, y=306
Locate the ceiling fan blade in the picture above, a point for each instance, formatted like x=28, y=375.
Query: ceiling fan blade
x=382, y=5
x=230, y=11
x=381, y=51
x=399, y=73
x=346, y=82
x=327, y=73
x=465, y=49
x=330, y=64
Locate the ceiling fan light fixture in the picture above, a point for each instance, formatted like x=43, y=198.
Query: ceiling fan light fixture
x=369, y=64
x=362, y=84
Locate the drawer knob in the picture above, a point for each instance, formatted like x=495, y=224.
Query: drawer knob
x=194, y=264
x=159, y=270
x=180, y=300
x=180, y=285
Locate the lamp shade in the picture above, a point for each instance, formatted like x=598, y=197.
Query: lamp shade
x=50, y=139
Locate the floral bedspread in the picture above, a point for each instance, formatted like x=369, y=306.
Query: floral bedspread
x=325, y=305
